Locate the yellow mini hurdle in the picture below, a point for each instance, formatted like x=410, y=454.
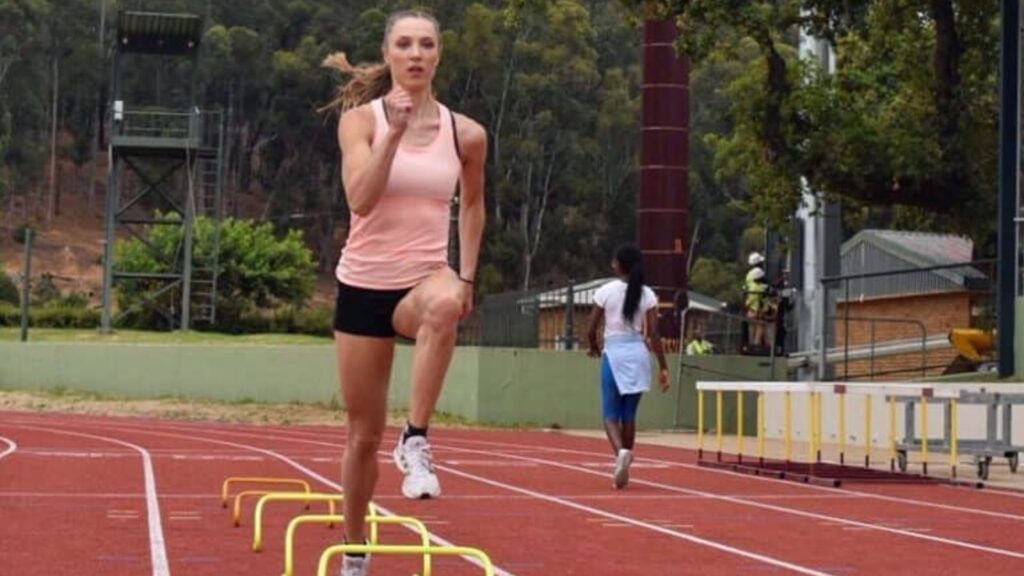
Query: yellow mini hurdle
x=374, y=520
x=382, y=550
x=226, y=486
x=257, y=521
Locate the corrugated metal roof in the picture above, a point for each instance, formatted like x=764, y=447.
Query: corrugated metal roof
x=921, y=249
x=157, y=32
x=583, y=294
x=873, y=251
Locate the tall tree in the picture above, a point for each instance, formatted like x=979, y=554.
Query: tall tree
x=883, y=129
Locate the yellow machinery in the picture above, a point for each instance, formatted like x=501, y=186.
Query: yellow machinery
x=972, y=343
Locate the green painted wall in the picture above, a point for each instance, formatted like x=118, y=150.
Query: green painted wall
x=259, y=373
x=460, y=395
x=491, y=385
x=726, y=368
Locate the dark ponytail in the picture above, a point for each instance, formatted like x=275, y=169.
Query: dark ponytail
x=631, y=263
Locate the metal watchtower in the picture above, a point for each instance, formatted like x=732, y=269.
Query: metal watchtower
x=165, y=169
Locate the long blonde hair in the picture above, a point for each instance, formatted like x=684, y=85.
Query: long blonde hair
x=368, y=81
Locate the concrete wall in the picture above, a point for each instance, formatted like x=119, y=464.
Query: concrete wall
x=227, y=373
x=491, y=385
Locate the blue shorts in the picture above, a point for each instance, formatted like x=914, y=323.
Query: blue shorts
x=616, y=406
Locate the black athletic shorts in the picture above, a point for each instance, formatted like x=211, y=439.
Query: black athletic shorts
x=366, y=312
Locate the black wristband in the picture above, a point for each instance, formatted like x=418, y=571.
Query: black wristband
x=470, y=282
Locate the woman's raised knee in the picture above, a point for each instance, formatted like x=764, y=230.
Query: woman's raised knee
x=442, y=313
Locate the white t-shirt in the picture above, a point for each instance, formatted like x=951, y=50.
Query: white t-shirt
x=611, y=298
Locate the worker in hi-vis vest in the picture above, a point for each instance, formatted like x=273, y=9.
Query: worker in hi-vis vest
x=699, y=345
x=755, y=291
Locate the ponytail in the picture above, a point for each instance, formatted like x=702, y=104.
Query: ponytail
x=368, y=82
x=631, y=262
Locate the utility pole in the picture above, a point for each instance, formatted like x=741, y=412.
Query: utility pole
x=99, y=104
x=821, y=240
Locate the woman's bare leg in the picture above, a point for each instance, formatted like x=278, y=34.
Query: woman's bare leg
x=430, y=313
x=364, y=369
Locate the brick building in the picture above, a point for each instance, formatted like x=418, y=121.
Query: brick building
x=903, y=291
x=552, y=322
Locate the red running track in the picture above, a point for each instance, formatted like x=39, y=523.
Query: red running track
x=123, y=496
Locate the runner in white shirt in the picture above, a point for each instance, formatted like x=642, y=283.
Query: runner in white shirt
x=627, y=308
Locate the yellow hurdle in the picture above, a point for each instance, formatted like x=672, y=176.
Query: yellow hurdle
x=924, y=434
x=236, y=510
x=817, y=426
x=718, y=421
x=892, y=429
x=325, y=557
x=760, y=425
x=789, y=426
x=373, y=520
x=842, y=427
x=257, y=520
x=867, y=431
x=226, y=486
x=811, y=427
x=700, y=423
x=953, y=431
x=739, y=424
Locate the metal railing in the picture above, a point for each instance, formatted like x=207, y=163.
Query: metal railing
x=972, y=285
x=543, y=318
x=200, y=128
x=873, y=348
x=553, y=318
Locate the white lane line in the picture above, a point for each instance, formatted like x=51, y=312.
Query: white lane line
x=106, y=495
x=627, y=521
x=11, y=447
x=509, y=448
x=772, y=507
x=554, y=500
x=614, y=497
x=996, y=490
x=694, y=467
x=157, y=546
x=312, y=474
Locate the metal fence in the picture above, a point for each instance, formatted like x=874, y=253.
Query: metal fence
x=553, y=318
x=543, y=318
x=201, y=128
x=728, y=332
x=895, y=324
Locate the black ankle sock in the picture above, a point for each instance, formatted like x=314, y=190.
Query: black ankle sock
x=356, y=554
x=411, y=431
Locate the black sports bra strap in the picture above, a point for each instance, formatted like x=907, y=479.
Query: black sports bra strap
x=455, y=135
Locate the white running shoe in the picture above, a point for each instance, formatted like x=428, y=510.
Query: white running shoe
x=621, y=476
x=355, y=566
x=414, y=459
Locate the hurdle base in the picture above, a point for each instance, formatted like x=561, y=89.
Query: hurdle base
x=829, y=474
x=757, y=470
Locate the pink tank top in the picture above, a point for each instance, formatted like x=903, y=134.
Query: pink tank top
x=404, y=239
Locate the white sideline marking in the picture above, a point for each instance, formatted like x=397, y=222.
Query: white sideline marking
x=157, y=546
x=11, y=447
x=540, y=496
